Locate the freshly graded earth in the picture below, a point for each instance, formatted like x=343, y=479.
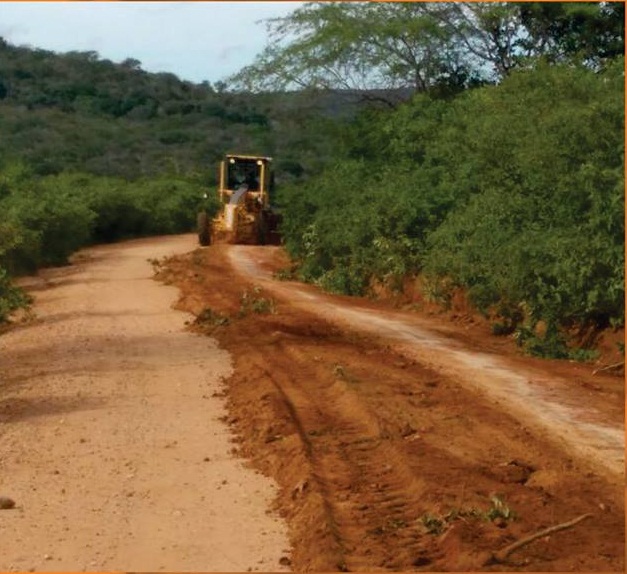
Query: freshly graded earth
x=136, y=437
x=404, y=440
x=112, y=435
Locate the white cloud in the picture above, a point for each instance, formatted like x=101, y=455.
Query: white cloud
x=195, y=40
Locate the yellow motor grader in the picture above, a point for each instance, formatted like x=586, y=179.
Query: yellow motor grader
x=245, y=216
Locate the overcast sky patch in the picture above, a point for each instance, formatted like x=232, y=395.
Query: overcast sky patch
x=195, y=40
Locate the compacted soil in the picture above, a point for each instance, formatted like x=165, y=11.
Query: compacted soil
x=113, y=444
x=406, y=441
x=134, y=436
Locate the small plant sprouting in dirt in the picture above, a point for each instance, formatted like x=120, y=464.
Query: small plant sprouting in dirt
x=210, y=318
x=255, y=302
x=339, y=371
x=390, y=525
x=433, y=524
x=157, y=264
x=285, y=274
x=499, y=510
x=395, y=524
x=438, y=524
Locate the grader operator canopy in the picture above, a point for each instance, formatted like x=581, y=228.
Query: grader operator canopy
x=252, y=172
x=244, y=185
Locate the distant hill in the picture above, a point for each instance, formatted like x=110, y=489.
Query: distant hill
x=80, y=112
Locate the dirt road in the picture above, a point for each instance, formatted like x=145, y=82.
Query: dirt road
x=112, y=440
x=400, y=442
x=539, y=398
x=397, y=441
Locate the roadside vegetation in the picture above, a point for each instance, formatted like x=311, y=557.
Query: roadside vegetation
x=93, y=151
x=478, y=147
x=501, y=177
x=513, y=193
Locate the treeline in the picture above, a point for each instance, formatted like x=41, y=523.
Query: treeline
x=512, y=192
x=79, y=112
x=93, y=151
x=45, y=219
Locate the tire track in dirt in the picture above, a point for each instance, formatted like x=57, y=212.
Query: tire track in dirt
x=532, y=396
x=384, y=463
x=356, y=463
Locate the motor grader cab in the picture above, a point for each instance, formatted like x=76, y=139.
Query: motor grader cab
x=245, y=215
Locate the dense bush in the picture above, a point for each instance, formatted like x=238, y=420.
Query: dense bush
x=355, y=223
x=543, y=228
x=11, y=298
x=514, y=193
x=96, y=151
x=45, y=219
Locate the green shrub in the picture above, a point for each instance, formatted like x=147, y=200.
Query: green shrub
x=11, y=297
x=544, y=226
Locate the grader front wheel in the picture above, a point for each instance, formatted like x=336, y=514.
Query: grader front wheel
x=262, y=229
x=204, y=229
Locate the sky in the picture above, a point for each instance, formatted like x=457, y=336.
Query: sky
x=197, y=41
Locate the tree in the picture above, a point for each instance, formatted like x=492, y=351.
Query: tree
x=131, y=64
x=509, y=35
x=590, y=31
x=358, y=46
x=490, y=34
x=419, y=46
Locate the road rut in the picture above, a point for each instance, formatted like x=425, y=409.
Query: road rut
x=537, y=399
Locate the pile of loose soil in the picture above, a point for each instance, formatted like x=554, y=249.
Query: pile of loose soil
x=383, y=463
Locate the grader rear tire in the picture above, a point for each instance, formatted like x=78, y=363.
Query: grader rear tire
x=262, y=229
x=204, y=229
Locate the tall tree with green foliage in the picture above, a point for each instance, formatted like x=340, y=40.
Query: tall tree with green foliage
x=358, y=46
x=419, y=46
x=590, y=32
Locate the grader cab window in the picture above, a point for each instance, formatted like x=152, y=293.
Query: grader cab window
x=244, y=173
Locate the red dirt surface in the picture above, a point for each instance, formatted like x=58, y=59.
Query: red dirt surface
x=111, y=440
x=389, y=461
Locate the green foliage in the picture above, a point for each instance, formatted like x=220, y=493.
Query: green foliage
x=359, y=45
x=541, y=224
x=144, y=207
x=589, y=31
x=50, y=222
x=11, y=297
x=77, y=112
x=93, y=151
x=255, y=302
x=437, y=524
x=436, y=47
x=209, y=320
x=352, y=224
x=46, y=219
x=514, y=193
